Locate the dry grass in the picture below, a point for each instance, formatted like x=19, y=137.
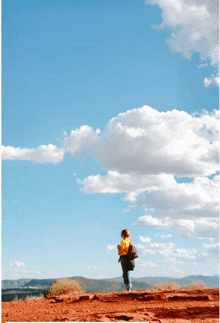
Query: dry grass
x=64, y=286
x=30, y=298
x=198, y=285
x=174, y=285
x=169, y=285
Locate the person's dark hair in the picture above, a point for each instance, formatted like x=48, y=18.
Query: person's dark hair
x=125, y=233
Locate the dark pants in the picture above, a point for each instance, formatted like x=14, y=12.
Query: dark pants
x=125, y=275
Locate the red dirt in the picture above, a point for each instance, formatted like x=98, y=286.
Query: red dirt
x=164, y=306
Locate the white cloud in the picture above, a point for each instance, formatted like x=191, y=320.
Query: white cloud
x=213, y=246
x=145, y=240
x=168, y=250
x=213, y=80
x=203, y=65
x=191, y=208
x=111, y=248
x=147, y=264
x=212, y=250
x=80, y=140
x=194, y=25
x=165, y=197
x=17, y=264
x=205, y=227
x=185, y=253
x=197, y=199
x=143, y=150
x=164, y=236
x=42, y=154
x=140, y=141
x=147, y=141
x=92, y=267
x=133, y=184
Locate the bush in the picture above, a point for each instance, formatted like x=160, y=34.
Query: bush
x=170, y=285
x=30, y=298
x=198, y=285
x=62, y=287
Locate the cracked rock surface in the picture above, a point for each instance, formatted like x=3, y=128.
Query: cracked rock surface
x=162, y=306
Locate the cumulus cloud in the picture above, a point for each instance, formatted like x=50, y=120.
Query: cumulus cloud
x=145, y=239
x=194, y=26
x=211, y=250
x=183, y=200
x=132, y=184
x=164, y=236
x=178, y=199
x=17, y=264
x=191, y=208
x=80, y=140
x=167, y=250
x=147, y=141
x=147, y=264
x=205, y=227
x=42, y=154
x=213, y=80
x=140, y=141
x=111, y=248
x=144, y=151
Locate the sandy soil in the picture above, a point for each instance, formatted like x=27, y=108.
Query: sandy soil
x=164, y=306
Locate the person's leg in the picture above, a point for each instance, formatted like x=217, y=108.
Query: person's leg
x=125, y=274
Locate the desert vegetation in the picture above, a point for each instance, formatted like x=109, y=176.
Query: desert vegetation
x=32, y=297
x=169, y=285
x=175, y=285
x=62, y=287
x=198, y=285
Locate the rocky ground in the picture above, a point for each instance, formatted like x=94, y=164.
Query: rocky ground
x=164, y=306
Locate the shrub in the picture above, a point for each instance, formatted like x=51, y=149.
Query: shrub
x=32, y=297
x=62, y=287
x=198, y=285
x=170, y=285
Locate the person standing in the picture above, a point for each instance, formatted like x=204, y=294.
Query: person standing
x=126, y=263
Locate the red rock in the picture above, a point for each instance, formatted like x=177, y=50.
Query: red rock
x=164, y=306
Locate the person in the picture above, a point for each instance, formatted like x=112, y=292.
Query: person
x=126, y=263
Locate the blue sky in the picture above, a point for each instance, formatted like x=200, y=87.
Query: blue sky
x=109, y=121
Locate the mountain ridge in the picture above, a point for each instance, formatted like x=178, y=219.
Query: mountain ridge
x=211, y=281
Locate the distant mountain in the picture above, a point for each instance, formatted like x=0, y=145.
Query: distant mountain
x=9, y=283
x=91, y=285
x=209, y=280
x=38, y=286
x=40, y=283
x=154, y=280
x=22, y=287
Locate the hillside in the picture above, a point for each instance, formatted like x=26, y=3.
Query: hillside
x=211, y=281
x=87, y=283
x=10, y=283
x=38, y=286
